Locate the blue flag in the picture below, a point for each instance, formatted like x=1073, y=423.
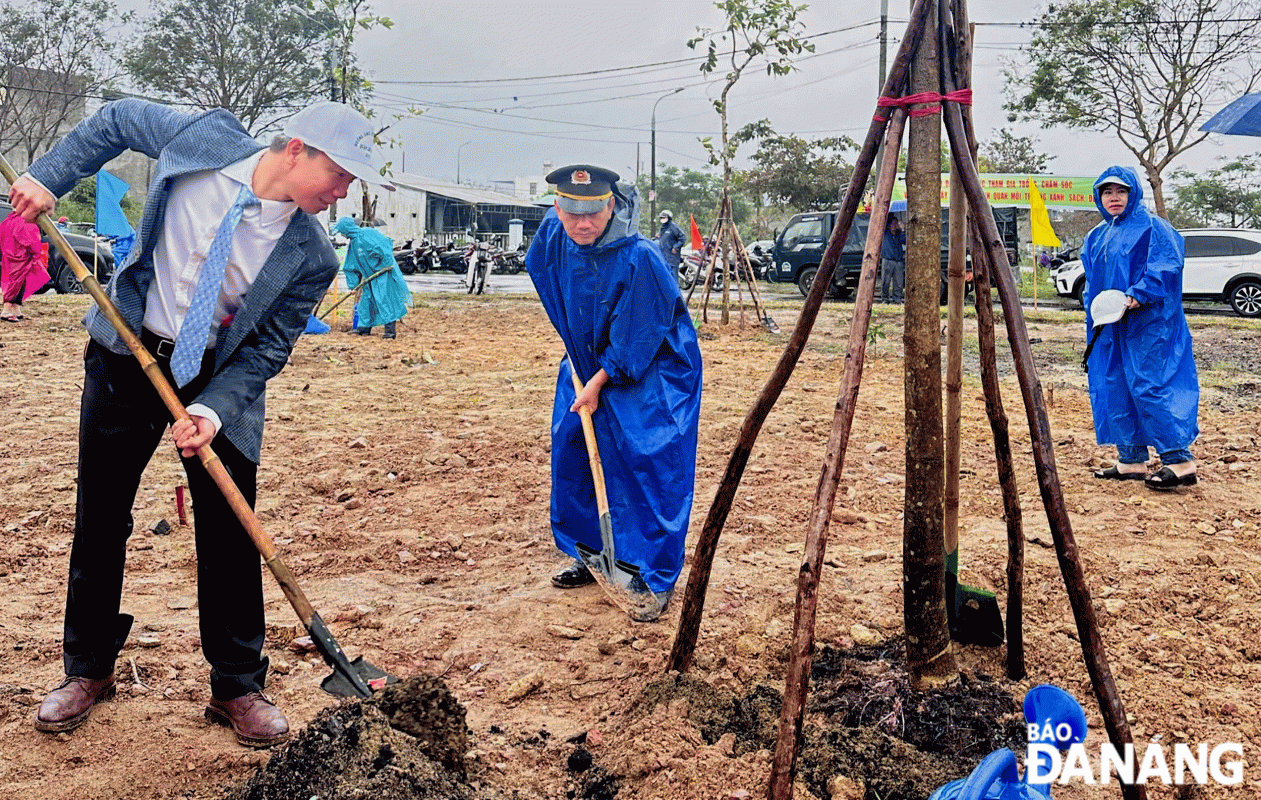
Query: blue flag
x=110, y=219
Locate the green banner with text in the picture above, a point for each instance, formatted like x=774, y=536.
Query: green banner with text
x=1001, y=189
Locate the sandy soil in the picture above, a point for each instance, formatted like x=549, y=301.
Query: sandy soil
x=406, y=484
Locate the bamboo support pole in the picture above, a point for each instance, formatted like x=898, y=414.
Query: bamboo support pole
x=801, y=648
x=1012, y=513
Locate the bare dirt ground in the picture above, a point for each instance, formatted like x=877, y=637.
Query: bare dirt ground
x=406, y=484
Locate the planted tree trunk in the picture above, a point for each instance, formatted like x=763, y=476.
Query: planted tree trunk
x=930, y=659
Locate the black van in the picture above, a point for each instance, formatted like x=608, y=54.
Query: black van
x=798, y=251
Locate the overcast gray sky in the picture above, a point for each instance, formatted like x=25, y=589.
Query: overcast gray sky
x=481, y=72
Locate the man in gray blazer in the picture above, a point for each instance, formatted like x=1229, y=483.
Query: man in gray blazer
x=209, y=173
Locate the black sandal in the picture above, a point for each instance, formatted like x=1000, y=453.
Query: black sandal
x=573, y=576
x=1114, y=474
x=1165, y=479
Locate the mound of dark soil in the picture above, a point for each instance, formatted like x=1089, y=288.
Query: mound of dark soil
x=886, y=739
x=407, y=741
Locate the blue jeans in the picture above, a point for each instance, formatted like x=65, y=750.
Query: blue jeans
x=1137, y=454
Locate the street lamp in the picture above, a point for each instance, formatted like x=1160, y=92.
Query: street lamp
x=457, y=161
x=652, y=192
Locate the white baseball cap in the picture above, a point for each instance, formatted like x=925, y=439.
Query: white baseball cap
x=344, y=135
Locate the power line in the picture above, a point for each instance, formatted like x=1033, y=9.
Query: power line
x=587, y=73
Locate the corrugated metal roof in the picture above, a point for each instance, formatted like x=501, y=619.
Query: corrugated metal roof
x=468, y=194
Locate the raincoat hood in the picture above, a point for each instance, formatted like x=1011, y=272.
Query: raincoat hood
x=1126, y=176
x=347, y=227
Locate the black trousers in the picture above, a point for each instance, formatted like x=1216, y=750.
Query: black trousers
x=121, y=422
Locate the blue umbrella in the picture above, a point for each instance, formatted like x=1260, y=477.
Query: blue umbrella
x=1242, y=117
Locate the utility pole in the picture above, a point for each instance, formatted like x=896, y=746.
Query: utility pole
x=332, y=95
x=884, y=71
x=652, y=192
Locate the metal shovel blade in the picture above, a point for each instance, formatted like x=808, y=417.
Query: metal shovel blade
x=356, y=678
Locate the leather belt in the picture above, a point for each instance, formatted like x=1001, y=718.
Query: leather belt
x=159, y=347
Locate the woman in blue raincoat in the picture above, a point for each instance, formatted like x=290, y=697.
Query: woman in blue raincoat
x=385, y=297
x=1143, y=384
x=628, y=336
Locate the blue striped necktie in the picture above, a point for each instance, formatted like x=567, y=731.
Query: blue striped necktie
x=190, y=344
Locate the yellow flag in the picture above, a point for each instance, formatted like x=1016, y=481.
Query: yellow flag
x=1040, y=221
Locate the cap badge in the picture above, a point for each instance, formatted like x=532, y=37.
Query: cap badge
x=580, y=178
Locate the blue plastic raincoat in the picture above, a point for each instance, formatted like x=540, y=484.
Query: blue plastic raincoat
x=1143, y=384
x=385, y=298
x=616, y=305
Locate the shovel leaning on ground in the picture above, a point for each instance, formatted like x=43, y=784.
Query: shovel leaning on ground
x=614, y=576
x=356, y=678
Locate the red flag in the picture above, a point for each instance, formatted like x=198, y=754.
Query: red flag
x=697, y=242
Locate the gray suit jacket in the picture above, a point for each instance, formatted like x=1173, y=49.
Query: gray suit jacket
x=257, y=343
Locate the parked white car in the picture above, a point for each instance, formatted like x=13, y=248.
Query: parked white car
x=1222, y=264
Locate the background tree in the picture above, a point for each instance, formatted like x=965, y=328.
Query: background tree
x=1229, y=195
x=53, y=54
x=1005, y=152
x=353, y=16
x=756, y=29
x=684, y=191
x=769, y=32
x=1145, y=70
x=806, y=175
x=261, y=60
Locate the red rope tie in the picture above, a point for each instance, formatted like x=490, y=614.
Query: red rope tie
x=933, y=99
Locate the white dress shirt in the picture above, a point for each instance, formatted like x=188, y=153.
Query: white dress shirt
x=194, y=210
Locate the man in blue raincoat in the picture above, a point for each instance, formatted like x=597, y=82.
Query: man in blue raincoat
x=670, y=239
x=1143, y=384
x=384, y=299
x=627, y=333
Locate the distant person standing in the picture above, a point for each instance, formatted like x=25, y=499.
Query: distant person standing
x=670, y=239
x=892, y=261
x=25, y=264
x=383, y=300
x=1144, y=389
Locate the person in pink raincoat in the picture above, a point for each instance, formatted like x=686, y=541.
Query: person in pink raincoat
x=25, y=264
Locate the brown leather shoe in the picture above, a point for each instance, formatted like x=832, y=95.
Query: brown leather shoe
x=255, y=719
x=67, y=707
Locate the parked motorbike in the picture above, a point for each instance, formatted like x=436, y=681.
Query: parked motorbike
x=760, y=261
x=478, y=260
x=1063, y=256
x=692, y=266
x=425, y=256
x=509, y=261
x=404, y=256
x=453, y=258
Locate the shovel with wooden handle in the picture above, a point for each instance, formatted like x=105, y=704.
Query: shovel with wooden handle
x=619, y=580
x=356, y=678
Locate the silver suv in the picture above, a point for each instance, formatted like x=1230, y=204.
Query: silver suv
x=1222, y=264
